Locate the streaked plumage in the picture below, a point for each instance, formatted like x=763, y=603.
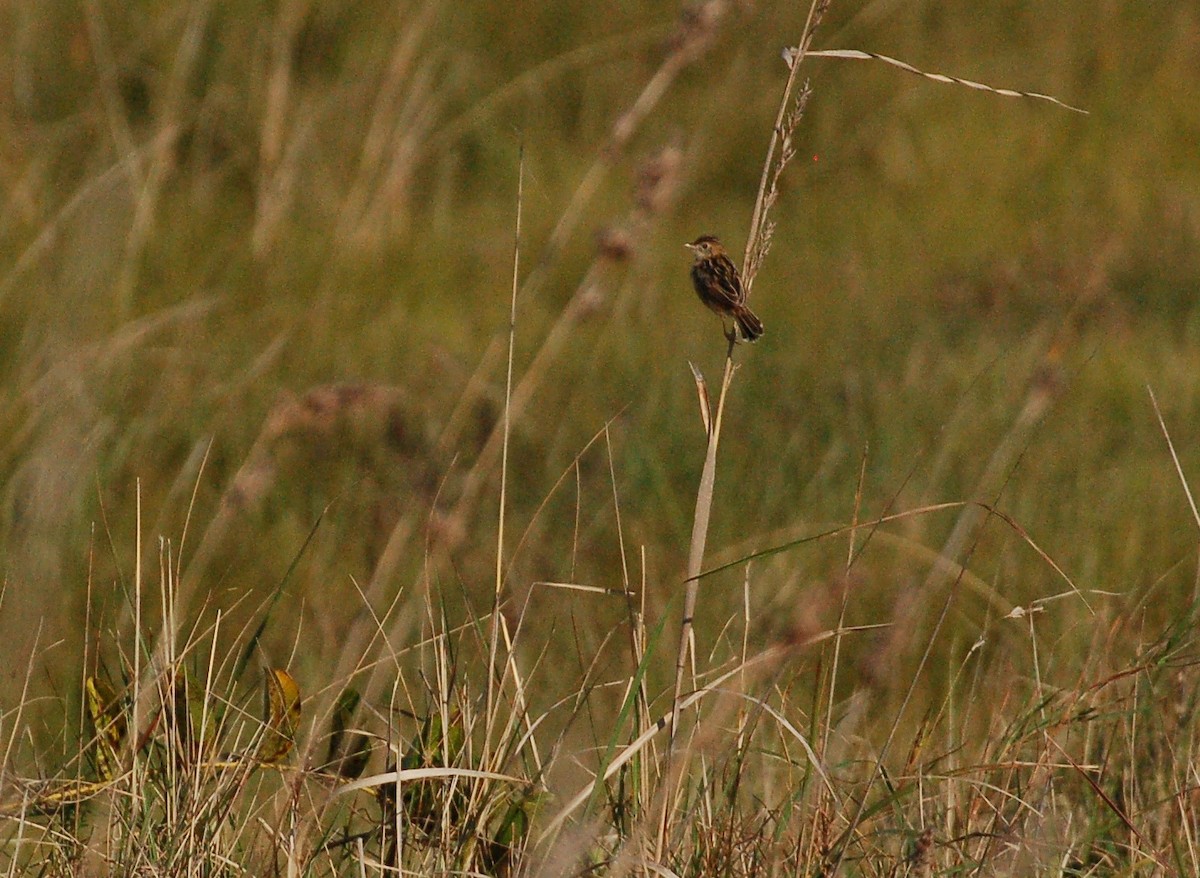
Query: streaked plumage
x=720, y=288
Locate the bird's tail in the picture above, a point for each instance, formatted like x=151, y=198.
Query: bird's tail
x=749, y=327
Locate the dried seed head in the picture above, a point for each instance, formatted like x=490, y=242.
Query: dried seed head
x=613, y=244
x=696, y=26
x=919, y=859
x=1050, y=377
x=657, y=179
x=814, y=616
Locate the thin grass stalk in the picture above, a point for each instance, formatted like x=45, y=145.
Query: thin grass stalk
x=135, y=726
x=508, y=387
x=841, y=623
x=751, y=260
x=643, y=765
x=746, y=619
x=1174, y=457
x=642, y=702
x=686, y=650
x=19, y=712
x=700, y=522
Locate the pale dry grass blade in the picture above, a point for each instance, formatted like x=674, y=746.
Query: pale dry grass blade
x=411, y=774
x=590, y=589
x=856, y=54
x=706, y=417
x=506, y=415
x=935, y=558
x=687, y=645
x=640, y=742
x=1174, y=457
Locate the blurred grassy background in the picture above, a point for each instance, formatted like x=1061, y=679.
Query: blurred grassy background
x=210, y=206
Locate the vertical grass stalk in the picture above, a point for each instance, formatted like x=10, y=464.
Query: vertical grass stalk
x=757, y=244
x=512, y=335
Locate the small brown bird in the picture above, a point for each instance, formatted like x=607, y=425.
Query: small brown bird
x=719, y=287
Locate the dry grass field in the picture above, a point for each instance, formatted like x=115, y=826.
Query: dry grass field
x=363, y=511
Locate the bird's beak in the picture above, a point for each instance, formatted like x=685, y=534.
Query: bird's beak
x=690, y=246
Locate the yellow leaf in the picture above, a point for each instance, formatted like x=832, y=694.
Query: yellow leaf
x=281, y=715
x=107, y=715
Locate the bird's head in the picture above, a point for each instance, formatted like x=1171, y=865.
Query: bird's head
x=705, y=247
